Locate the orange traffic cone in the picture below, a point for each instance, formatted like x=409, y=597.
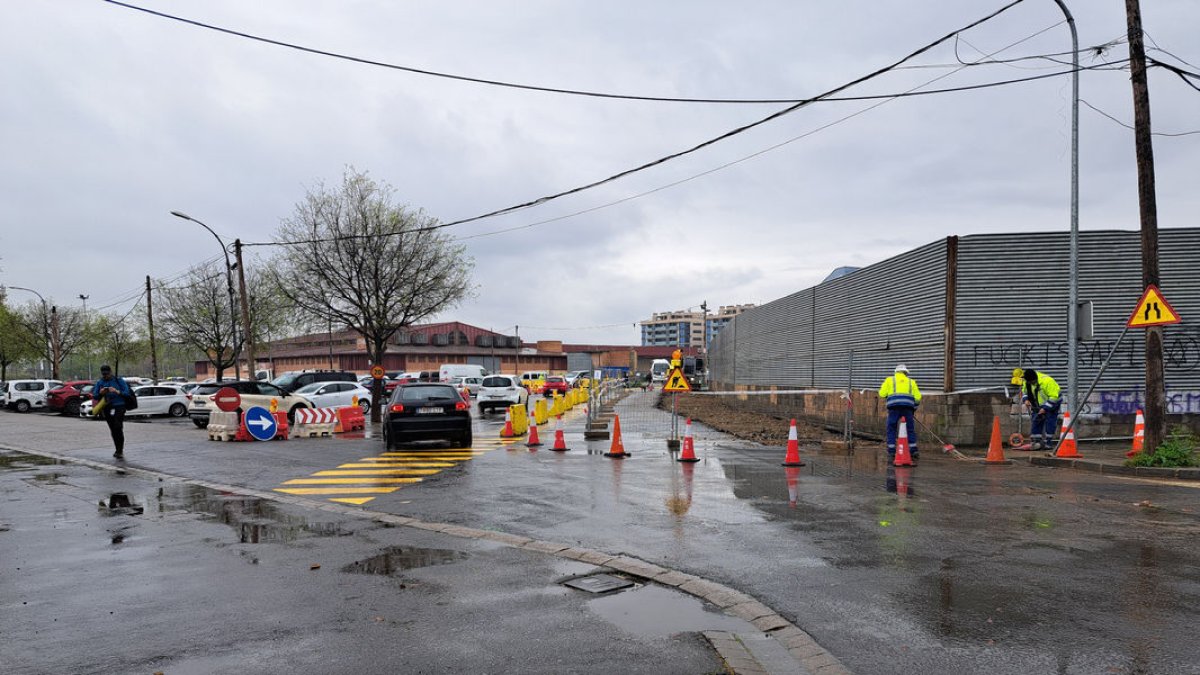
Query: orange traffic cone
x=792, y=458
x=996, y=447
x=793, y=484
x=689, y=448
x=1139, y=435
x=903, y=456
x=507, y=431
x=534, y=441
x=560, y=443
x=617, y=449
x=1066, y=448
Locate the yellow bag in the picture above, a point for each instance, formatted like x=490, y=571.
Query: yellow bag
x=98, y=407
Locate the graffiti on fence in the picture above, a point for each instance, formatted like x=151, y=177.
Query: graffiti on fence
x=1181, y=353
x=1129, y=401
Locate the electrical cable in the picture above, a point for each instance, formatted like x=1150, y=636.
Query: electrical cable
x=1130, y=126
x=662, y=160
x=1184, y=75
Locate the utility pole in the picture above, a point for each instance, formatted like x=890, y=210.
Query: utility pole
x=55, y=342
x=1156, y=396
x=150, y=323
x=247, y=330
x=84, y=298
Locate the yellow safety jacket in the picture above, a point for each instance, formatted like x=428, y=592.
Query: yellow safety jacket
x=1046, y=391
x=900, y=390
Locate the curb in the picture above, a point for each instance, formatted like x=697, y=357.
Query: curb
x=809, y=655
x=1095, y=466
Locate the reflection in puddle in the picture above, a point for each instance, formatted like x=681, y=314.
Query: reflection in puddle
x=398, y=558
x=256, y=521
x=653, y=610
x=21, y=461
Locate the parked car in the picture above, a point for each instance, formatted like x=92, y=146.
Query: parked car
x=294, y=379
x=555, y=384
x=469, y=384
x=26, y=395
x=158, y=399
x=533, y=380
x=449, y=371
x=66, y=399
x=189, y=387
x=575, y=376
x=335, y=394
x=252, y=393
x=427, y=412
x=368, y=382
x=500, y=391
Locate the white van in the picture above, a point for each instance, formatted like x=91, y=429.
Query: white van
x=449, y=371
x=26, y=395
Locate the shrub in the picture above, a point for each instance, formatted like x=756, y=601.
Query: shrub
x=1177, y=451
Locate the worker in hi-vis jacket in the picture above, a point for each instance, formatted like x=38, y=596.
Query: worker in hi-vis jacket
x=903, y=396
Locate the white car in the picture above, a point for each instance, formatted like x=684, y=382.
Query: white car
x=26, y=395
x=335, y=394
x=159, y=399
x=501, y=391
x=471, y=384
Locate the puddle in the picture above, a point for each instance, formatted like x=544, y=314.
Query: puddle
x=49, y=478
x=255, y=521
x=654, y=610
x=395, y=559
x=21, y=461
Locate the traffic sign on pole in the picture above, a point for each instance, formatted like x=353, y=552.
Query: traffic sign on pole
x=676, y=381
x=1153, y=310
x=377, y=372
x=260, y=423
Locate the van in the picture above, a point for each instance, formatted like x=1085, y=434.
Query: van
x=533, y=380
x=26, y=395
x=449, y=371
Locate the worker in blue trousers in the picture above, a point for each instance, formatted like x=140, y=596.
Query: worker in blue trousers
x=903, y=396
x=1044, y=398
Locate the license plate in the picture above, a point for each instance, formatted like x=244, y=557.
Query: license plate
x=429, y=411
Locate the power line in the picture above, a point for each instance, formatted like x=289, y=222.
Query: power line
x=676, y=155
x=1130, y=126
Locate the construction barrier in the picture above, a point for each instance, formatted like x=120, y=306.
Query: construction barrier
x=281, y=425
x=520, y=419
x=540, y=412
x=314, y=422
x=222, y=426
x=350, y=418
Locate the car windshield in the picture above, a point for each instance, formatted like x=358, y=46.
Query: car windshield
x=285, y=381
x=311, y=388
x=415, y=394
x=206, y=389
x=496, y=381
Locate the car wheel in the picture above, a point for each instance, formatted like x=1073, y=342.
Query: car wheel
x=466, y=440
x=387, y=438
x=22, y=406
x=178, y=410
x=199, y=422
x=71, y=409
x=292, y=413
x=365, y=405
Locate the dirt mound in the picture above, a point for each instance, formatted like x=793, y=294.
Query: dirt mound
x=721, y=413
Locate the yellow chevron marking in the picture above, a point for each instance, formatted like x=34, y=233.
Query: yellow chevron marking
x=378, y=480
x=426, y=465
x=338, y=491
x=357, y=501
x=380, y=472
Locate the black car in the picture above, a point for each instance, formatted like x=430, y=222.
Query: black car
x=427, y=412
x=294, y=379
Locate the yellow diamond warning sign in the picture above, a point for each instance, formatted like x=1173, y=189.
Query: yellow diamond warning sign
x=676, y=381
x=1153, y=310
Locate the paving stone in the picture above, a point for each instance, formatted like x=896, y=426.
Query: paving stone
x=422, y=525
x=750, y=610
x=806, y=651
x=470, y=532
x=636, y=567
x=802, y=641
x=596, y=557
x=770, y=623
x=574, y=553
x=673, y=578
x=701, y=587
x=789, y=632
x=832, y=669
x=820, y=660
x=505, y=538
x=545, y=546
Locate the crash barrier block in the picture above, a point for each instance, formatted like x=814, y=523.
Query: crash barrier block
x=315, y=416
x=243, y=434
x=313, y=430
x=281, y=425
x=219, y=432
x=350, y=418
x=540, y=412
x=224, y=419
x=520, y=419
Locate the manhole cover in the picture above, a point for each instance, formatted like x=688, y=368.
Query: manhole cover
x=599, y=583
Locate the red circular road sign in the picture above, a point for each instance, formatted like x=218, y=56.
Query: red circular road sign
x=227, y=399
x=377, y=372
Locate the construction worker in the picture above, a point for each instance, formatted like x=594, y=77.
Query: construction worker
x=903, y=396
x=1044, y=399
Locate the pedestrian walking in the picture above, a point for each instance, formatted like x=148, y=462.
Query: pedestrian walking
x=903, y=396
x=1044, y=399
x=115, y=392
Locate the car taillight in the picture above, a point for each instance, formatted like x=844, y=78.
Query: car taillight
x=396, y=407
x=461, y=405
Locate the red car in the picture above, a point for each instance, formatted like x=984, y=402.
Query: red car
x=67, y=398
x=554, y=384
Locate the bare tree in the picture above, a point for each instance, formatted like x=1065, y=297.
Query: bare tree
x=53, y=333
x=117, y=340
x=196, y=313
x=362, y=261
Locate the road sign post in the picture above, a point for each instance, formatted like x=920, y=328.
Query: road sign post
x=261, y=423
x=674, y=384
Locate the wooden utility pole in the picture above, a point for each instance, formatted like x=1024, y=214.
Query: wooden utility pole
x=55, y=343
x=150, y=323
x=247, y=329
x=1156, y=396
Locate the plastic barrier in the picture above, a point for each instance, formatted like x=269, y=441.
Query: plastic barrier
x=222, y=426
x=520, y=419
x=314, y=422
x=350, y=418
x=540, y=412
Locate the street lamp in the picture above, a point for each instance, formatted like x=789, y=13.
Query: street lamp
x=1073, y=402
x=84, y=298
x=228, y=284
x=52, y=333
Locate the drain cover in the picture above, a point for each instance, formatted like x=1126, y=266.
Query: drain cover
x=599, y=583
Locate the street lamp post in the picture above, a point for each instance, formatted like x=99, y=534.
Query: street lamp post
x=228, y=284
x=1073, y=402
x=84, y=298
x=51, y=333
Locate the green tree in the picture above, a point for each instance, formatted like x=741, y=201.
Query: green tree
x=118, y=339
x=362, y=261
x=15, y=341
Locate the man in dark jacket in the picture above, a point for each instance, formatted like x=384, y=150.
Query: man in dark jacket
x=114, y=391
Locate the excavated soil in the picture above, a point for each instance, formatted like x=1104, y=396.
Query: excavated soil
x=720, y=413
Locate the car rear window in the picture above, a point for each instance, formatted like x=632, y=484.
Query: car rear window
x=413, y=394
x=496, y=381
x=207, y=389
x=555, y=379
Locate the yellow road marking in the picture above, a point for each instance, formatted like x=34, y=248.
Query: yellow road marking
x=357, y=501
x=405, y=460
x=380, y=472
x=428, y=465
x=430, y=455
x=338, y=491
x=376, y=480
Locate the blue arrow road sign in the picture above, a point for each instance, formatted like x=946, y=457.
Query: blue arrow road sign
x=260, y=423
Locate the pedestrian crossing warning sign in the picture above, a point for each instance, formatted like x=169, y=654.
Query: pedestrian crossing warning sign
x=676, y=381
x=1153, y=310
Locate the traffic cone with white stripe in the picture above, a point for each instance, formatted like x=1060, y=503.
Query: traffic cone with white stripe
x=1066, y=448
x=534, y=441
x=793, y=448
x=560, y=443
x=1139, y=435
x=689, y=447
x=507, y=431
x=903, y=456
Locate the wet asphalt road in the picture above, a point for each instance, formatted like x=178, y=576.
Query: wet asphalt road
x=944, y=568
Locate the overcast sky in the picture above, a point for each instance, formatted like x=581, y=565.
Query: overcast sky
x=112, y=118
